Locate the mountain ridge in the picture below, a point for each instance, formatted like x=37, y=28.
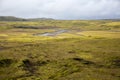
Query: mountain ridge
x=12, y=18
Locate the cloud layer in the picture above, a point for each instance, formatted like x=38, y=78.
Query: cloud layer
x=61, y=9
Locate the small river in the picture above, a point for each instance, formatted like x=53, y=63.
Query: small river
x=51, y=33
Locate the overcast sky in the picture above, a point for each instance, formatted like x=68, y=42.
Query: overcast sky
x=61, y=9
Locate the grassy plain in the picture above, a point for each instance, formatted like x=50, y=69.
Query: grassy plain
x=89, y=50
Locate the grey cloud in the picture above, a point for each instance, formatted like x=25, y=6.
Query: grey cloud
x=61, y=9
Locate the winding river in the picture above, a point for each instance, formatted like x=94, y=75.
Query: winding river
x=51, y=33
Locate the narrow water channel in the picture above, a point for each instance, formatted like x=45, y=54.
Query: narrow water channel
x=51, y=33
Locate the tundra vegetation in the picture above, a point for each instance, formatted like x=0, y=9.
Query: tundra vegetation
x=85, y=50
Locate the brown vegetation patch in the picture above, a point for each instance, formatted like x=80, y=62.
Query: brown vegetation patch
x=6, y=62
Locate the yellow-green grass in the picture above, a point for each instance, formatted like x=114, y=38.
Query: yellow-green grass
x=70, y=24
x=100, y=34
x=29, y=35
x=61, y=59
x=82, y=53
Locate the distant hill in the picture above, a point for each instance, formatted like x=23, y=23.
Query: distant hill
x=12, y=18
x=111, y=19
x=37, y=19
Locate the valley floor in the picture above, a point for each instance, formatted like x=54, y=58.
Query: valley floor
x=71, y=54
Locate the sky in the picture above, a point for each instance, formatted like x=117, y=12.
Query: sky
x=61, y=9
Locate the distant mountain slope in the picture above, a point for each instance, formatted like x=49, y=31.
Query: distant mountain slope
x=37, y=19
x=111, y=19
x=12, y=18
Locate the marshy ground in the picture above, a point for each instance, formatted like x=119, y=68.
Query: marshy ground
x=60, y=50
